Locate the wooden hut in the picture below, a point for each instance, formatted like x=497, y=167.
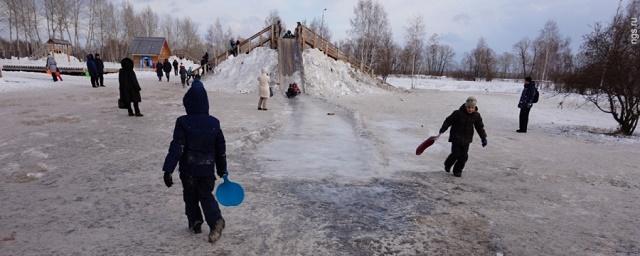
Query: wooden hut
x=147, y=51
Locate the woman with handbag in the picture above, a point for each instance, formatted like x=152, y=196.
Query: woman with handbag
x=129, y=87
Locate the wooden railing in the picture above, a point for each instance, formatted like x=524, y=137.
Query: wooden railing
x=306, y=36
x=259, y=39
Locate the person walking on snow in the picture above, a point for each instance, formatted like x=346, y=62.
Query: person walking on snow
x=129, y=86
x=52, y=67
x=100, y=69
x=175, y=67
x=198, y=146
x=166, y=66
x=183, y=75
x=462, y=122
x=159, y=71
x=525, y=103
x=263, y=90
x=93, y=70
x=189, y=74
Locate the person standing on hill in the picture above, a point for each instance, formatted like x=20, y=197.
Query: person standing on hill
x=159, y=70
x=100, y=69
x=166, y=66
x=462, y=123
x=526, y=102
x=175, y=67
x=52, y=67
x=263, y=90
x=198, y=146
x=93, y=70
x=129, y=87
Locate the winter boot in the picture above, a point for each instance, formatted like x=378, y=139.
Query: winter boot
x=196, y=228
x=216, y=231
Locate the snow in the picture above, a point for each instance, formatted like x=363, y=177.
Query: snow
x=347, y=183
x=63, y=60
x=240, y=74
x=327, y=77
x=21, y=81
x=450, y=84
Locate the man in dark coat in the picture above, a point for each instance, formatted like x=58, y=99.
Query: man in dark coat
x=129, y=87
x=159, y=71
x=100, y=69
x=166, y=66
x=462, y=122
x=175, y=67
x=93, y=70
x=183, y=75
x=198, y=145
x=525, y=103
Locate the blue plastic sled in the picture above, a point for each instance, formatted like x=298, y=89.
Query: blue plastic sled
x=229, y=193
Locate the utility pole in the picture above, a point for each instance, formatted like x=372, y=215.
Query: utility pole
x=322, y=24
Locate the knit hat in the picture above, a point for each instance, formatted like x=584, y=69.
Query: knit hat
x=471, y=102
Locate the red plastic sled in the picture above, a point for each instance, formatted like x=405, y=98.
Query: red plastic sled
x=424, y=145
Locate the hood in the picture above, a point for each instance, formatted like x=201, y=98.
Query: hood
x=126, y=64
x=195, y=100
x=463, y=108
x=89, y=57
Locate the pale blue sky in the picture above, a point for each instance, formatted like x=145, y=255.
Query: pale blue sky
x=459, y=22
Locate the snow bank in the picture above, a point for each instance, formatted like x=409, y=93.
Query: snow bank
x=240, y=73
x=449, y=84
x=186, y=62
x=20, y=81
x=63, y=60
x=324, y=76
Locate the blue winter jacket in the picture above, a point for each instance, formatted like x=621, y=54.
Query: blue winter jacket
x=198, y=142
x=91, y=66
x=526, y=98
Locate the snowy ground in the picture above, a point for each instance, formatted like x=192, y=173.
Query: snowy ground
x=80, y=177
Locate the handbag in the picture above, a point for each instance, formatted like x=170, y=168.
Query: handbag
x=121, y=104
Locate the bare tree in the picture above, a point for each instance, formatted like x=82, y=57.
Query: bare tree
x=609, y=69
x=522, y=48
x=370, y=18
x=415, y=41
x=320, y=28
x=149, y=21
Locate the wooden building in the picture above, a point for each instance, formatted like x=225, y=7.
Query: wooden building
x=147, y=51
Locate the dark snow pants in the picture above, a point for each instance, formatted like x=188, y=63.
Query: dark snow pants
x=524, y=118
x=55, y=77
x=135, y=107
x=167, y=74
x=100, y=79
x=94, y=80
x=197, y=190
x=458, y=157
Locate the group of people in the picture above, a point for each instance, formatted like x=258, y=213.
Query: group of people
x=95, y=68
x=198, y=146
x=464, y=120
x=164, y=68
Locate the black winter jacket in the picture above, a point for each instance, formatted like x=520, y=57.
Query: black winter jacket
x=526, y=98
x=198, y=142
x=462, y=124
x=129, y=87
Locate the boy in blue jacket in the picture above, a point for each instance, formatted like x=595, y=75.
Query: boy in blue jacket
x=198, y=145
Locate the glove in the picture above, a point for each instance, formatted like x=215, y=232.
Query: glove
x=484, y=142
x=221, y=173
x=168, y=181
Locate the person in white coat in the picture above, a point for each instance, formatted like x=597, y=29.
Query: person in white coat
x=263, y=89
x=52, y=67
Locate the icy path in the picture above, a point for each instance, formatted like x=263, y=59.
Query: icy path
x=316, y=143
